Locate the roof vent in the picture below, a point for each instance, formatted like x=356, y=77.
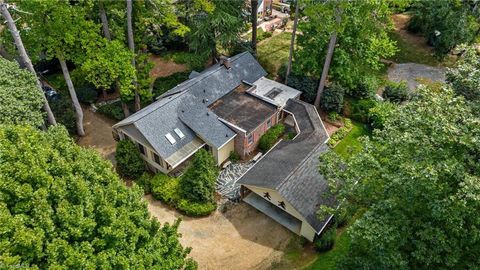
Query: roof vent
x=204, y=90
x=226, y=62
x=208, y=113
x=226, y=135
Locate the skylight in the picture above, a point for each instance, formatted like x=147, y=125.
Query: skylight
x=170, y=138
x=179, y=133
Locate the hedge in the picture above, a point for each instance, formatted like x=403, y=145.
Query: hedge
x=129, y=161
x=270, y=137
x=194, y=209
x=396, y=92
x=340, y=133
x=326, y=241
x=332, y=98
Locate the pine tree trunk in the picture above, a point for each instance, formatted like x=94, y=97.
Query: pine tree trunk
x=254, y=4
x=126, y=111
x=131, y=46
x=73, y=96
x=25, y=59
x=328, y=60
x=104, y=20
x=292, y=42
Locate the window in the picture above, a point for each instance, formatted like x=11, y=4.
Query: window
x=269, y=123
x=179, y=133
x=142, y=149
x=170, y=138
x=156, y=158
x=250, y=139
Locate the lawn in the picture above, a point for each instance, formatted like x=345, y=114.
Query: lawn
x=351, y=142
x=328, y=260
x=273, y=52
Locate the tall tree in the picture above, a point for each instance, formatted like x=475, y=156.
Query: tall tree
x=417, y=183
x=361, y=39
x=254, y=4
x=198, y=182
x=63, y=207
x=24, y=57
x=20, y=100
x=222, y=27
x=104, y=20
x=292, y=41
x=131, y=46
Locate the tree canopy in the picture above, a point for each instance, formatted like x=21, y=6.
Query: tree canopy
x=63, y=207
x=20, y=100
x=362, y=38
x=198, y=182
x=417, y=184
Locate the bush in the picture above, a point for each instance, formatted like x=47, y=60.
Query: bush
x=396, y=92
x=86, y=94
x=270, y=137
x=195, y=209
x=234, y=156
x=129, y=162
x=347, y=123
x=307, y=85
x=163, y=84
x=197, y=184
x=326, y=241
x=379, y=114
x=113, y=110
x=166, y=189
x=342, y=217
x=366, y=88
x=145, y=181
x=361, y=108
x=333, y=116
x=340, y=133
x=332, y=98
x=64, y=114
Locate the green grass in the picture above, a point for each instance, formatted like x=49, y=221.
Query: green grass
x=350, y=144
x=273, y=52
x=412, y=53
x=328, y=260
x=194, y=61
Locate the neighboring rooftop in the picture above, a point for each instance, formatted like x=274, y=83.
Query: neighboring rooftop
x=181, y=107
x=242, y=109
x=291, y=167
x=274, y=92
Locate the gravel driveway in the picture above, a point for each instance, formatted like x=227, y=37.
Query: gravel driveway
x=411, y=72
x=239, y=238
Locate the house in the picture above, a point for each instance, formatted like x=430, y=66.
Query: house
x=285, y=183
x=224, y=109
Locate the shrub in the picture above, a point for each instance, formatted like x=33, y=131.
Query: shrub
x=270, y=137
x=396, y=92
x=163, y=84
x=366, y=88
x=197, y=184
x=379, y=114
x=332, y=98
x=333, y=116
x=166, y=189
x=145, y=181
x=195, y=209
x=113, y=110
x=64, y=114
x=234, y=156
x=326, y=241
x=86, y=94
x=347, y=123
x=262, y=35
x=307, y=85
x=129, y=162
x=342, y=217
x=360, y=109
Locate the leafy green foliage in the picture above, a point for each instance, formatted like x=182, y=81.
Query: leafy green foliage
x=166, y=189
x=465, y=77
x=86, y=94
x=233, y=156
x=446, y=23
x=112, y=110
x=332, y=98
x=307, y=85
x=338, y=135
x=378, y=115
x=326, y=241
x=417, y=179
x=63, y=207
x=64, y=114
x=396, y=92
x=262, y=35
x=198, y=182
x=351, y=144
x=366, y=88
x=20, y=99
x=362, y=39
x=271, y=137
x=194, y=61
x=129, y=161
x=196, y=209
x=221, y=27
x=163, y=84
x=360, y=109
x=145, y=181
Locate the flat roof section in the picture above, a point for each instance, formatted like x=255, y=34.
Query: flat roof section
x=242, y=109
x=274, y=92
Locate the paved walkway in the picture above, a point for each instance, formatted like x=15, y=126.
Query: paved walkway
x=412, y=73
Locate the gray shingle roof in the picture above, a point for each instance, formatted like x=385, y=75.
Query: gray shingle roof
x=291, y=167
x=163, y=116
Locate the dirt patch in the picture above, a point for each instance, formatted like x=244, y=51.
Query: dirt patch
x=400, y=23
x=240, y=238
x=164, y=68
x=98, y=134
